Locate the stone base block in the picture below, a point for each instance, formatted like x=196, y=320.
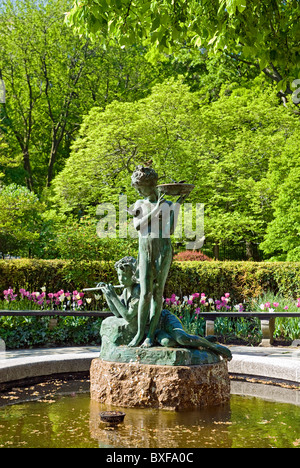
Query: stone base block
x=154, y=386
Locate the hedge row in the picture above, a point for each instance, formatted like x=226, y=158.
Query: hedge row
x=242, y=280
x=33, y=274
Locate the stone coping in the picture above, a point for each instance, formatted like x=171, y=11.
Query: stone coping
x=269, y=363
x=27, y=364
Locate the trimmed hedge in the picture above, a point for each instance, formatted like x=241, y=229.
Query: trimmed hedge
x=33, y=274
x=242, y=280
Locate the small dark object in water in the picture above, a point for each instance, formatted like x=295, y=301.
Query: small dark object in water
x=112, y=417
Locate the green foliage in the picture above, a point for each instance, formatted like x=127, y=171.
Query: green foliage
x=20, y=332
x=262, y=33
x=34, y=274
x=244, y=329
x=244, y=280
x=20, y=219
x=112, y=142
x=228, y=148
x=282, y=234
x=78, y=240
x=27, y=332
x=218, y=124
x=53, y=78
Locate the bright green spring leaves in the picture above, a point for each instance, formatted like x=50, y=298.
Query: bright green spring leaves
x=259, y=31
x=233, y=150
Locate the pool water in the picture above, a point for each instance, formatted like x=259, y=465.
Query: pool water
x=69, y=418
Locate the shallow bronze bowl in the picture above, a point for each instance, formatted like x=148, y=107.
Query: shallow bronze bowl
x=175, y=188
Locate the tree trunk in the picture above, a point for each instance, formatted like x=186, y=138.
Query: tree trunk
x=57, y=136
x=216, y=251
x=51, y=165
x=27, y=167
x=252, y=251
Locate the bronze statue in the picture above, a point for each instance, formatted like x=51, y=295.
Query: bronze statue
x=154, y=219
x=118, y=330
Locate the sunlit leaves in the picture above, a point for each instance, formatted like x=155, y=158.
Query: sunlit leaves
x=19, y=218
x=227, y=148
x=266, y=33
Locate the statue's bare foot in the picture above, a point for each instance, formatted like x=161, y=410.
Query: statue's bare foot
x=135, y=342
x=225, y=352
x=147, y=343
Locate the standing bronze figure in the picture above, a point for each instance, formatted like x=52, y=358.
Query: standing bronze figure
x=154, y=219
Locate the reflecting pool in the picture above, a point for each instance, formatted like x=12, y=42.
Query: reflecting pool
x=62, y=415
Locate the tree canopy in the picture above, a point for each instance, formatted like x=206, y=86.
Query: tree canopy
x=226, y=148
x=52, y=79
x=258, y=32
x=20, y=223
x=197, y=87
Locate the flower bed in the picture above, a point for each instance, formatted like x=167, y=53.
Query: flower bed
x=42, y=300
x=189, y=309
x=24, y=331
x=20, y=332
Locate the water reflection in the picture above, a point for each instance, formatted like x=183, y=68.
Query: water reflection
x=146, y=428
x=61, y=414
